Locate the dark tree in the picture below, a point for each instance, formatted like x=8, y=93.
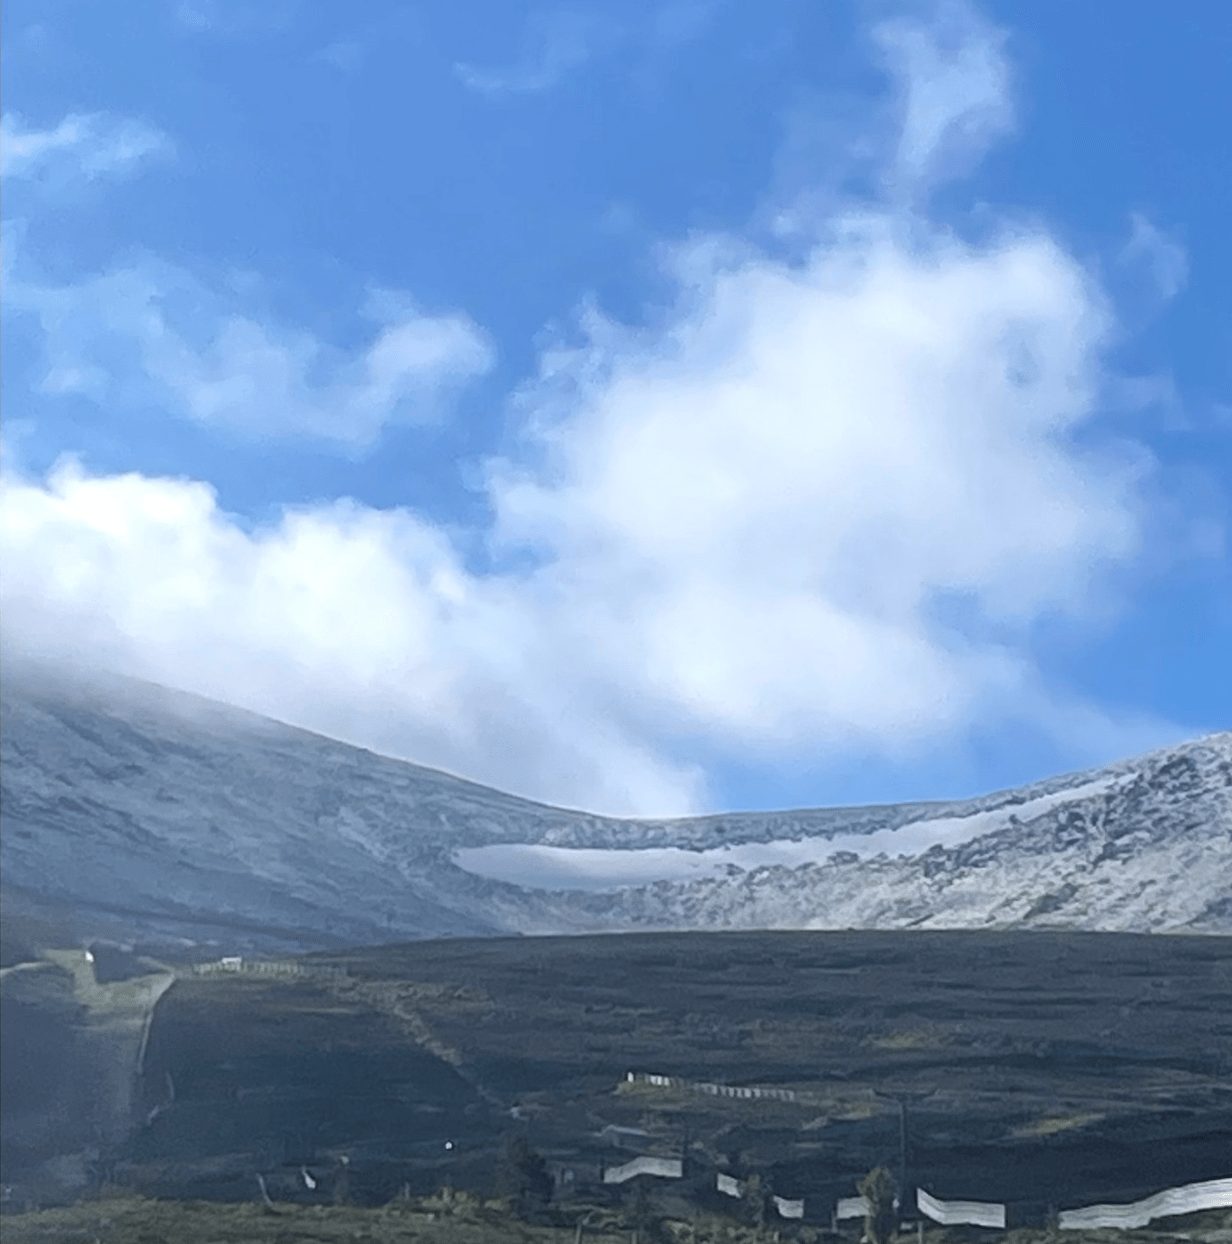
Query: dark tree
x=881, y=1217
x=757, y=1193
x=525, y=1177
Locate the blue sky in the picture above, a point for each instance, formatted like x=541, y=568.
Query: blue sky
x=648, y=406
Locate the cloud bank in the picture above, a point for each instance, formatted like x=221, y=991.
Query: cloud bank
x=820, y=504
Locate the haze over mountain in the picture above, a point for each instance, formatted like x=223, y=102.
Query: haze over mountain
x=132, y=807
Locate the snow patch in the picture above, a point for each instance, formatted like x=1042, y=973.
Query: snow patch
x=536, y=867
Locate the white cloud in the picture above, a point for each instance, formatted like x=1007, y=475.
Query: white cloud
x=154, y=333
x=1160, y=256
x=747, y=529
x=359, y=623
x=953, y=93
x=81, y=147
x=818, y=506
x=758, y=513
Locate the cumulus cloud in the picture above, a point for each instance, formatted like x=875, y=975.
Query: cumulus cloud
x=360, y=623
x=154, y=333
x=763, y=510
x=821, y=503
x=751, y=527
x=81, y=147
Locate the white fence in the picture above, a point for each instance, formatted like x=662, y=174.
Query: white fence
x=663, y=1168
x=788, y=1209
x=233, y=965
x=1189, y=1199
x=734, y=1091
x=957, y=1213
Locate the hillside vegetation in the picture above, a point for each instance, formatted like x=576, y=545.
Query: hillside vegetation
x=139, y=1221
x=1012, y=1086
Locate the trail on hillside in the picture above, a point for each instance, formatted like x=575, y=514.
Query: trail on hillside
x=397, y=1001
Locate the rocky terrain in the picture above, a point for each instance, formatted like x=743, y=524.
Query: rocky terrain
x=133, y=810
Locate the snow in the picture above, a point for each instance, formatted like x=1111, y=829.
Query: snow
x=151, y=810
x=539, y=867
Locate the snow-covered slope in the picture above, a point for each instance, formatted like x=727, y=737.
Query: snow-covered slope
x=135, y=806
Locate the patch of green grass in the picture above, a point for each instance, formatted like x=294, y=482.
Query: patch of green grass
x=467, y=1220
x=1053, y=1125
x=907, y=1039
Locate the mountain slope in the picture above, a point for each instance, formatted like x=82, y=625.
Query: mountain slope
x=130, y=806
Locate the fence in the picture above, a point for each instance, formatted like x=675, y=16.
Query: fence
x=959, y=1213
x=788, y=1209
x=992, y=1215
x=663, y=1168
x=736, y=1091
x=1189, y=1199
x=234, y=965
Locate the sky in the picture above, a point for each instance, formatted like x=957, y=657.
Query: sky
x=651, y=407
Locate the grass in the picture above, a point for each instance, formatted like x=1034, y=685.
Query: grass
x=1024, y=1082
x=1053, y=1125
x=477, y=1027
x=145, y=1221
x=908, y=1039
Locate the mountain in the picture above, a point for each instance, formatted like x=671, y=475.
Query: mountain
x=135, y=810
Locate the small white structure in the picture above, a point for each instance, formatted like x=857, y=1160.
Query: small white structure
x=728, y=1185
x=231, y=963
x=661, y=1168
x=1188, y=1199
x=850, y=1207
x=788, y=1209
x=958, y=1213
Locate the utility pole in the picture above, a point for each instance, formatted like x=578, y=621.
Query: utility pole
x=902, y=1148
x=902, y=1139
x=901, y=1103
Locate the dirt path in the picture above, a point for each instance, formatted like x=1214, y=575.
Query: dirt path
x=117, y=1027
x=397, y=1001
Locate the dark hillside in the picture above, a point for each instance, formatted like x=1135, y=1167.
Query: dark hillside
x=1044, y=1067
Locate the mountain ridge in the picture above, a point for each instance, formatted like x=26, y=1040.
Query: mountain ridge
x=186, y=812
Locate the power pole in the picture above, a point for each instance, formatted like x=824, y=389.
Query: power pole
x=902, y=1148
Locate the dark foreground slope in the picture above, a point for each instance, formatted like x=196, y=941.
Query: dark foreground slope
x=462, y=1221
x=1041, y=1068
